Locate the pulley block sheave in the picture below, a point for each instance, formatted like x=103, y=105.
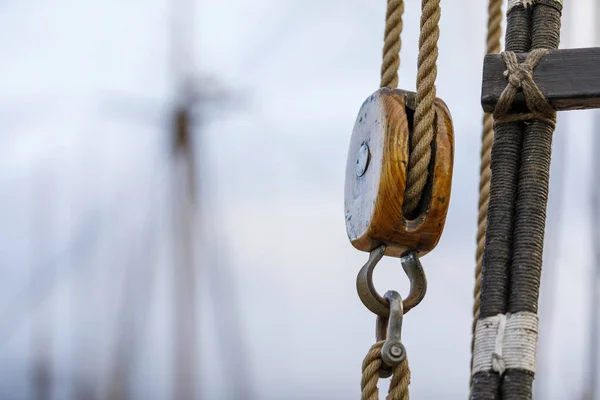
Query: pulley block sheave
x=376, y=173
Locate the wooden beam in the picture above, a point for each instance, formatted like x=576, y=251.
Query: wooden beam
x=570, y=80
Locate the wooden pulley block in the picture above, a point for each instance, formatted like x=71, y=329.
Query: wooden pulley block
x=376, y=173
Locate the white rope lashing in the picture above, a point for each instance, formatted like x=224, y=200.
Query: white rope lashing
x=506, y=342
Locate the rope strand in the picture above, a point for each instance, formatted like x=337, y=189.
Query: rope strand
x=392, y=43
x=370, y=376
x=420, y=141
x=400, y=381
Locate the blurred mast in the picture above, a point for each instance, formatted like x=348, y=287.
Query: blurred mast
x=185, y=115
x=184, y=266
x=187, y=126
x=592, y=368
x=184, y=201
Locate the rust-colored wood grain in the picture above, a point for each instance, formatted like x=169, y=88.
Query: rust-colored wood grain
x=373, y=200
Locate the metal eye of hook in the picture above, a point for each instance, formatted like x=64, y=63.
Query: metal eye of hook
x=373, y=300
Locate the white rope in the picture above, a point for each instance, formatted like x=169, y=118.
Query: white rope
x=525, y=3
x=506, y=342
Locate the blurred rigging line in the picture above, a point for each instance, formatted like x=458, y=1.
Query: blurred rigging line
x=134, y=111
x=228, y=319
x=85, y=240
x=41, y=337
x=591, y=392
x=44, y=279
x=81, y=380
x=140, y=270
x=154, y=184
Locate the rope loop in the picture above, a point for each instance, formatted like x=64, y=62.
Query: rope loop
x=370, y=376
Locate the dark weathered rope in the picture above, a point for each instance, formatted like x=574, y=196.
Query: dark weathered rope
x=518, y=29
x=494, y=33
x=498, y=247
x=519, y=188
x=532, y=199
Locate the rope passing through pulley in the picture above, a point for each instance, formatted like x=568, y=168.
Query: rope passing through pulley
x=397, y=191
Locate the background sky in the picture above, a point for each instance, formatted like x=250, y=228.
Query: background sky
x=85, y=238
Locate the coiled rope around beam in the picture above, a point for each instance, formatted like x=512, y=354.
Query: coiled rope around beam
x=494, y=33
x=370, y=376
x=421, y=138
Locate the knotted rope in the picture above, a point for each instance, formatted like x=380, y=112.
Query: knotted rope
x=520, y=77
x=421, y=138
x=370, y=376
x=494, y=32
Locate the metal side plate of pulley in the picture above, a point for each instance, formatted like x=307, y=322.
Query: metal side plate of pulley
x=376, y=170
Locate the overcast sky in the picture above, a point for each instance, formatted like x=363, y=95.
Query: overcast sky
x=85, y=94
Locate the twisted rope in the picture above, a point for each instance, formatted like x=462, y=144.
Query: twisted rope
x=370, y=376
x=392, y=43
x=420, y=141
x=494, y=33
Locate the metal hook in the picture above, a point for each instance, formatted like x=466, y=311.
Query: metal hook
x=373, y=300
